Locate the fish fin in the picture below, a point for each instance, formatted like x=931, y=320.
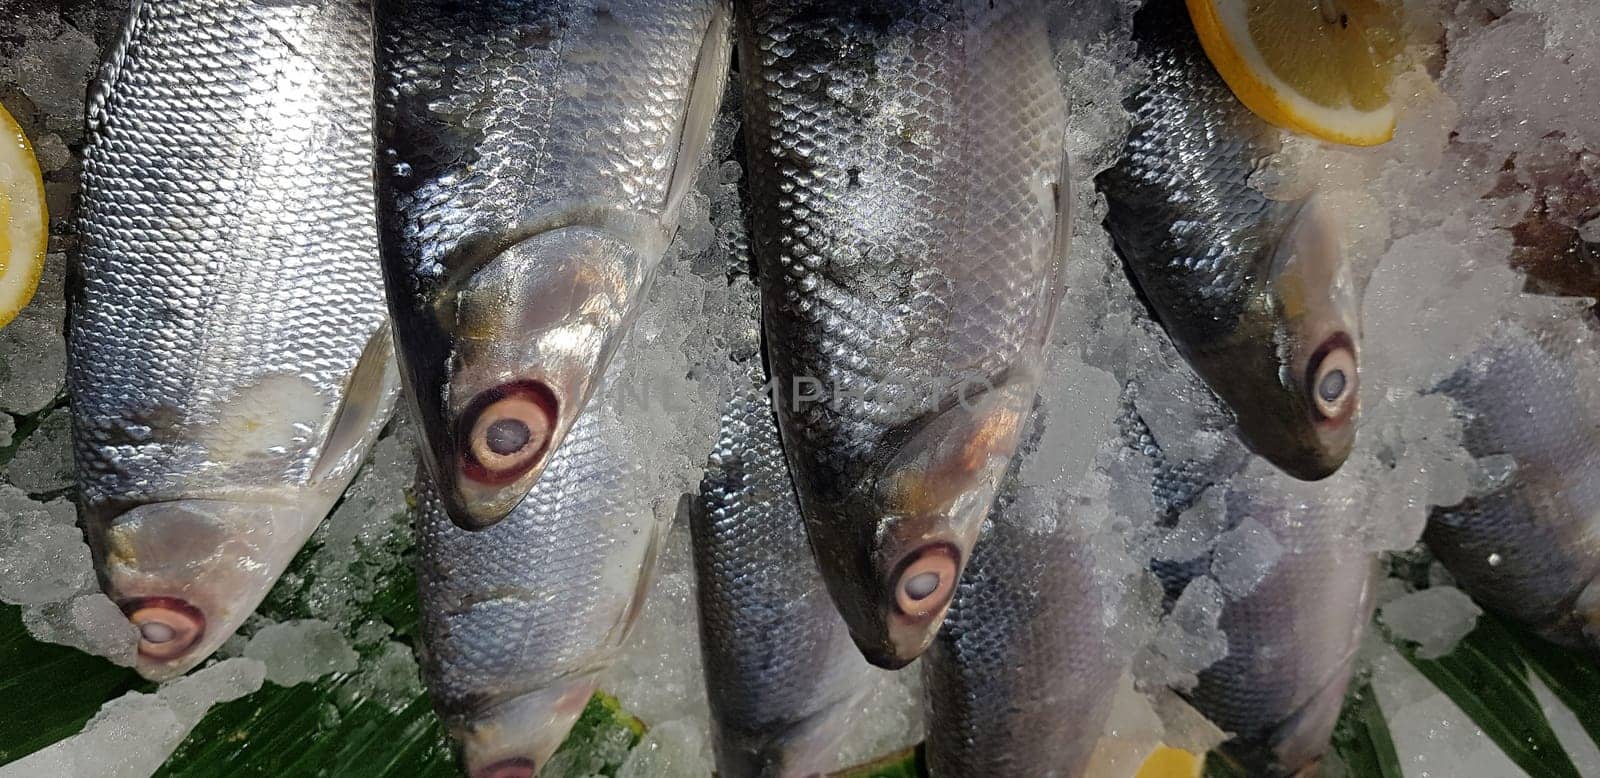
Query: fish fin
x=1061, y=246
x=647, y=573
x=110, y=70
x=705, y=95
x=368, y=399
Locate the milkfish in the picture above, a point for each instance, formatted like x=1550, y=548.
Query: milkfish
x=1525, y=548
x=533, y=158
x=1021, y=679
x=782, y=674
x=519, y=619
x=229, y=356
x=908, y=210
x=1293, y=635
x=1296, y=588
x=1257, y=294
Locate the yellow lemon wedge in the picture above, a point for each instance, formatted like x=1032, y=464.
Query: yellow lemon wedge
x=1169, y=762
x=1319, y=67
x=24, y=223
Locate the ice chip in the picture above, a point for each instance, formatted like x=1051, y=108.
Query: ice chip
x=43, y=463
x=299, y=651
x=672, y=749
x=1243, y=556
x=134, y=734
x=43, y=557
x=1435, y=619
x=90, y=622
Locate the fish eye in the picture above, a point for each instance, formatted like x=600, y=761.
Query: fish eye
x=506, y=430
x=926, y=580
x=1331, y=379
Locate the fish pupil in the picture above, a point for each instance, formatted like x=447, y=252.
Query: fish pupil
x=922, y=585
x=1332, y=385
x=507, y=436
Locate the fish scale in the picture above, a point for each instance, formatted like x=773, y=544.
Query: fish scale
x=1019, y=682
x=781, y=673
x=228, y=356
x=1256, y=293
x=519, y=618
x=906, y=172
x=1526, y=547
x=533, y=159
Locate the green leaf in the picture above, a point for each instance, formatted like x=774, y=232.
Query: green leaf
x=1362, y=737
x=48, y=691
x=1571, y=674
x=1485, y=676
x=907, y=763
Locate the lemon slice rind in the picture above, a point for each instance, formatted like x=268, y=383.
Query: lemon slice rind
x=1255, y=84
x=24, y=217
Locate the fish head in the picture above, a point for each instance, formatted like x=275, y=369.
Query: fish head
x=924, y=505
x=1297, y=399
x=532, y=330
x=188, y=572
x=515, y=738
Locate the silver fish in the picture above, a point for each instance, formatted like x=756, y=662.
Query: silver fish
x=782, y=675
x=908, y=207
x=229, y=357
x=1020, y=680
x=1292, y=634
x=533, y=159
x=1292, y=639
x=519, y=619
x=1526, y=548
x=1256, y=294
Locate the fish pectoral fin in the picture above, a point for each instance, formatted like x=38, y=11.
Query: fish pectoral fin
x=368, y=399
x=705, y=96
x=1061, y=246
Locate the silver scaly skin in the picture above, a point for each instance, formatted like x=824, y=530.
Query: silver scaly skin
x=1292, y=639
x=908, y=181
x=1019, y=682
x=533, y=157
x=1527, y=549
x=1258, y=295
x=229, y=357
x=782, y=675
x=518, y=619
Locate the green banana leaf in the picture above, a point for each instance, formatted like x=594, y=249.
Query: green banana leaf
x=1486, y=676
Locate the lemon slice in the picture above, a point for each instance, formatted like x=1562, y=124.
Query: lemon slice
x=1319, y=67
x=23, y=218
x=1169, y=762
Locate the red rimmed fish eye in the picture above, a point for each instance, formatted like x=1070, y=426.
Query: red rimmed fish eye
x=926, y=580
x=1332, y=379
x=506, y=431
x=168, y=627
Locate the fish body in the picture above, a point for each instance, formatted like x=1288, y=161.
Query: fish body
x=781, y=672
x=1020, y=680
x=229, y=357
x=907, y=168
x=1257, y=294
x=1293, y=636
x=518, y=619
x=1293, y=607
x=1527, y=547
x=533, y=157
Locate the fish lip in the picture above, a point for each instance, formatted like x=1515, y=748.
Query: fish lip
x=517, y=767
